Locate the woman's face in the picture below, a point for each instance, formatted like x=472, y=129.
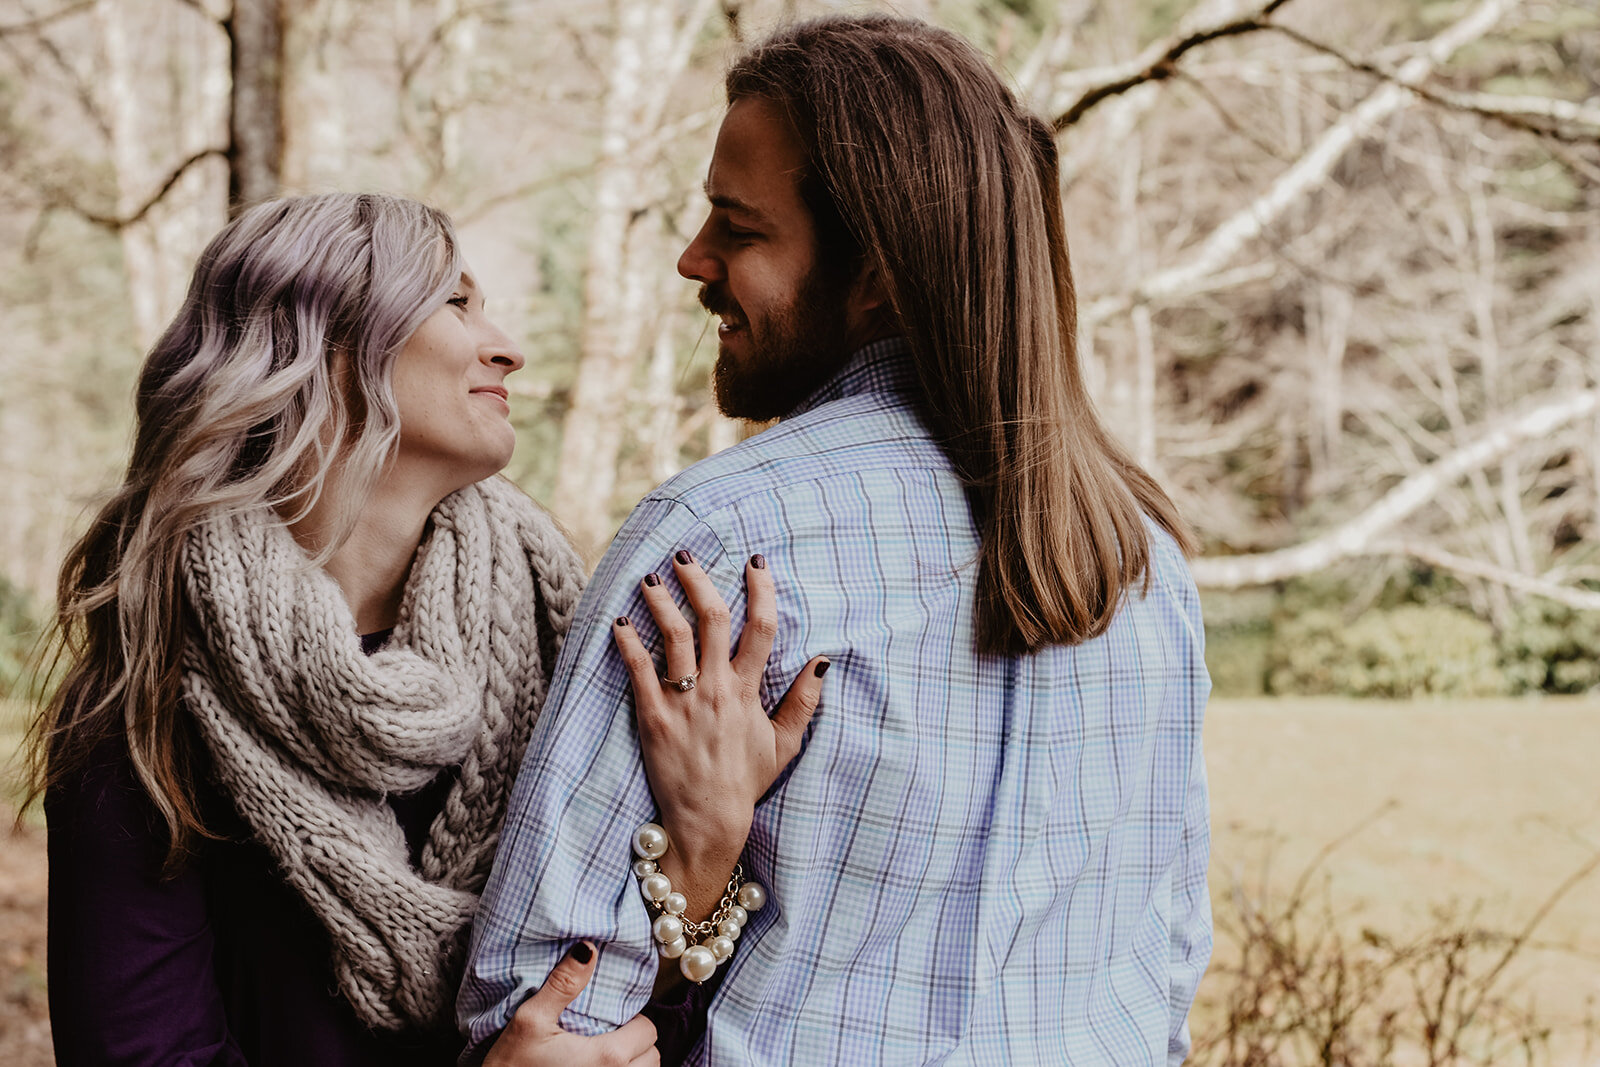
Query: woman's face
x=449, y=384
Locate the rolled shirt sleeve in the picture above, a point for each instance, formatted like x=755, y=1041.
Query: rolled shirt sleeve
x=579, y=796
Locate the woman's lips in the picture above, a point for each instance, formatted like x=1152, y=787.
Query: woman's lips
x=499, y=392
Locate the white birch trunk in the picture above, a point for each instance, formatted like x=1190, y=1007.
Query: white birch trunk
x=160, y=248
x=315, y=133
x=652, y=46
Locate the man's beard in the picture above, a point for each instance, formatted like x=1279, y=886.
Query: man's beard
x=791, y=352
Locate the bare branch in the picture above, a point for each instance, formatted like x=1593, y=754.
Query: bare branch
x=1159, y=61
x=39, y=22
x=210, y=15
x=1357, y=537
x=1582, y=599
x=81, y=90
x=115, y=223
x=1510, y=111
x=1307, y=173
x=1221, y=110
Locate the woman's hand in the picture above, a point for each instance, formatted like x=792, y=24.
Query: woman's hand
x=711, y=751
x=534, y=1038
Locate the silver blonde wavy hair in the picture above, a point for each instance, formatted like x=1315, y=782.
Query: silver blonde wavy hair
x=275, y=375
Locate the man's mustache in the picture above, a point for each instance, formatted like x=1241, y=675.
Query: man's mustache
x=715, y=299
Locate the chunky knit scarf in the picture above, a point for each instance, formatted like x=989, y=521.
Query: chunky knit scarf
x=309, y=735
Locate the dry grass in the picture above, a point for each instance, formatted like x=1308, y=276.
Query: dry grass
x=1478, y=813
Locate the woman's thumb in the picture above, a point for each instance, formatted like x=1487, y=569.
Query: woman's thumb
x=566, y=981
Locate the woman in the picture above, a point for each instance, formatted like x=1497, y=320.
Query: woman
x=306, y=643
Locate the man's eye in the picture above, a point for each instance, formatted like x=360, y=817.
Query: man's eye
x=742, y=235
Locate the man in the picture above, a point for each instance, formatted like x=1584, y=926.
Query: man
x=993, y=845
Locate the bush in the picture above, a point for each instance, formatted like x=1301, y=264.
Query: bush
x=1408, y=651
x=1551, y=648
x=19, y=632
x=1238, y=659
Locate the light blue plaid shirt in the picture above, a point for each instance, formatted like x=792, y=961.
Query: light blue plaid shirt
x=975, y=859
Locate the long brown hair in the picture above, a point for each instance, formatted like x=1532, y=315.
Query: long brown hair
x=925, y=167
x=275, y=373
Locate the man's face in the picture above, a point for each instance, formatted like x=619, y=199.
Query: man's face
x=785, y=327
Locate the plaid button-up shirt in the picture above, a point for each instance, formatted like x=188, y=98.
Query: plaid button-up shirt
x=975, y=859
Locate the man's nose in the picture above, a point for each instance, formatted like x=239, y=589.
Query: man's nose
x=698, y=264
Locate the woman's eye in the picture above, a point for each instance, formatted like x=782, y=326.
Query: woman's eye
x=458, y=301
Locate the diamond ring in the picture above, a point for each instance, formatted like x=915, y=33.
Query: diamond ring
x=682, y=685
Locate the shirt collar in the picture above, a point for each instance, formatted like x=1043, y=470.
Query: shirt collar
x=880, y=367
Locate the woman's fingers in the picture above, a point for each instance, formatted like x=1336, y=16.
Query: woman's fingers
x=709, y=608
x=795, y=710
x=534, y=1037
x=542, y=1012
x=641, y=668
x=635, y=1041
x=760, y=624
x=676, y=634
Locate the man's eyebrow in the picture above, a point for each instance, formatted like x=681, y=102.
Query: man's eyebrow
x=733, y=203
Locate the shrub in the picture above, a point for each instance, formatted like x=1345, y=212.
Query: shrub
x=1408, y=651
x=1238, y=659
x=19, y=631
x=1551, y=648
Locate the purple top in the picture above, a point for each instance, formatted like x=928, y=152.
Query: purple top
x=222, y=964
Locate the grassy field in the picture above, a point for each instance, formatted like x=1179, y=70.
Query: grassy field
x=1481, y=808
x=1485, y=805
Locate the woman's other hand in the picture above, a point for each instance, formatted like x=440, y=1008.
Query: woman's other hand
x=711, y=751
x=534, y=1038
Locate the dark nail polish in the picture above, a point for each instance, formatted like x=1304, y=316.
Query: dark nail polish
x=822, y=668
x=682, y=556
x=758, y=561
x=622, y=620
x=652, y=579
x=581, y=952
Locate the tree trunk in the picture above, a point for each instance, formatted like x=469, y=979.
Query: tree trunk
x=313, y=108
x=164, y=100
x=651, y=48
x=255, y=150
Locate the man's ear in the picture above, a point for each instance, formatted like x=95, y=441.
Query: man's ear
x=867, y=311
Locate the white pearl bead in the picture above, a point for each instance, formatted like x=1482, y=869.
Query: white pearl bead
x=697, y=963
x=728, y=929
x=655, y=886
x=721, y=947
x=645, y=868
x=650, y=841
x=673, y=949
x=738, y=915
x=667, y=928
x=752, y=897
x=676, y=904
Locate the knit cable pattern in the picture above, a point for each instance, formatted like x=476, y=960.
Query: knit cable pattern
x=309, y=735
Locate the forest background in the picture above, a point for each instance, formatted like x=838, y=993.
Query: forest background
x=1338, y=267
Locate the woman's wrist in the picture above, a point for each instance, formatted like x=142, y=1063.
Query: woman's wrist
x=708, y=842
x=697, y=920
x=701, y=875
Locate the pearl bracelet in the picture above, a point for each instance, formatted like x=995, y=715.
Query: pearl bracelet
x=698, y=947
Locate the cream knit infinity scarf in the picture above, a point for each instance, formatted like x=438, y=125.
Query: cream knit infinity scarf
x=309, y=735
